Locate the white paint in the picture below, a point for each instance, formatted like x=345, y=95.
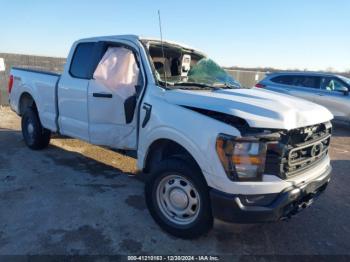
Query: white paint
x=42, y=89
x=196, y=132
x=2, y=65
x=260, y=108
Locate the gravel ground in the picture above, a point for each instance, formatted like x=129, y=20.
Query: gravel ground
x=75, y=198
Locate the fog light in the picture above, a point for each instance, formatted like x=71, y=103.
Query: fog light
x=258, y=200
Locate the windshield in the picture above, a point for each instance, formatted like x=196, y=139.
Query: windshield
x=183, y=68
x=206, y=71
x=347, y=80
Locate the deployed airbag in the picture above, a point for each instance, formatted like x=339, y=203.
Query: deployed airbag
x=118, y=71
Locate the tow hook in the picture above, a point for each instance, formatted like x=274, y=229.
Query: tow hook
x=298, y=206
x=306, y=203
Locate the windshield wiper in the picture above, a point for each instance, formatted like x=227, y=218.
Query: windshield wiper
x=165, y=84
x=185, y=84
x=227, y=85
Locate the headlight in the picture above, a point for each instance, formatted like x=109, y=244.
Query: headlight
x=242, y=158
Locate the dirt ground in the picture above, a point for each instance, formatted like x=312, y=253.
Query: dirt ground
x=75, y=198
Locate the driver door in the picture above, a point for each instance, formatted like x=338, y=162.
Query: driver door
x=331, y=97
x=113, y=96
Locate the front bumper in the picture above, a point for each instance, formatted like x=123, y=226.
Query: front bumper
x=236, y=208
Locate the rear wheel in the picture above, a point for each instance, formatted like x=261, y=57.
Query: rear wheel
x=35, y=135
x=178, y=199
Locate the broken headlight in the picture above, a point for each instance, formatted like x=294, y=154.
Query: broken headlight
x=242, y=158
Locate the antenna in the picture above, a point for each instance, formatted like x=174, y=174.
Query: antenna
x=161, y=41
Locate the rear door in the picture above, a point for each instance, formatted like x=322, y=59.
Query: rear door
x=331, y=96
x=295, y=85
x=280, y=83
x=72, y=92
x=113, y=95
x=305, y=86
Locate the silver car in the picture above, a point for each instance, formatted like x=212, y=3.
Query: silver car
x=329, y=90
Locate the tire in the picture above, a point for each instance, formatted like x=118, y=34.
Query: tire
x=35, y=135
x=174, y=191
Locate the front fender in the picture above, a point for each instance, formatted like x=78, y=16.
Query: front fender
x=175, y=136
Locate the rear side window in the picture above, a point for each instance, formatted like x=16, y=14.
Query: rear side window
x=82, y=61
x=307, y=81
x=286, y=79
x=298, y=80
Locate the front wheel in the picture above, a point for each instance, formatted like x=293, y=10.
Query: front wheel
x=178, y=199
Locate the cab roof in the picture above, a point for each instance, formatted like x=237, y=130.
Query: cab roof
x=135, y=38
x=302, y=73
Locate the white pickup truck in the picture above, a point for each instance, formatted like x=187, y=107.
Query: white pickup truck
x=208, y=147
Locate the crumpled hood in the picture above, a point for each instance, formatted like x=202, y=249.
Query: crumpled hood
x=260, y=108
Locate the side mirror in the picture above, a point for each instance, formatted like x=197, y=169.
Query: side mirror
x=344, y=90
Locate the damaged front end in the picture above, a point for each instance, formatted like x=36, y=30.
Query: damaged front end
x=286, y=154
x=257, y=152
x=283, y=153
x=298, y=150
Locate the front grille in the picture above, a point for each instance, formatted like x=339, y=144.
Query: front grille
x=298, y=150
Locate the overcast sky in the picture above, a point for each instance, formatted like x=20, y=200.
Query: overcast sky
x=294, y=34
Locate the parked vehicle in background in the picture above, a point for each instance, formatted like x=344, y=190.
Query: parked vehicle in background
x=329, y=90
x=208, y=147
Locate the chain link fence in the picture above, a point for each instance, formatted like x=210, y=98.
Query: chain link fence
x=246, y=78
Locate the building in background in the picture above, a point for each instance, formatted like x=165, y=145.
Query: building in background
x=247, y=78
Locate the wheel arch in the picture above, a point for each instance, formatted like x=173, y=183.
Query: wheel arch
x=26, y=100
x=165, y=148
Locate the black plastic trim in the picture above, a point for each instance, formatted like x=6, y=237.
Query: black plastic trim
x=129, y=108
x=148, y=109
x=57, y=107
x=102, y=95
x=229, y=207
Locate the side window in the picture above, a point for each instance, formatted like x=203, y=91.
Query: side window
x=307, y=81
x=82, y=61
x=118, y=71
x=284, y=79
x=334, y=84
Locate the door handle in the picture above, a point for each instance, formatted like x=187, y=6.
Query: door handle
x=321, y=94
x=102, y=95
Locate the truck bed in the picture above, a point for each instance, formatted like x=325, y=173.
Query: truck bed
x=42, y=86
